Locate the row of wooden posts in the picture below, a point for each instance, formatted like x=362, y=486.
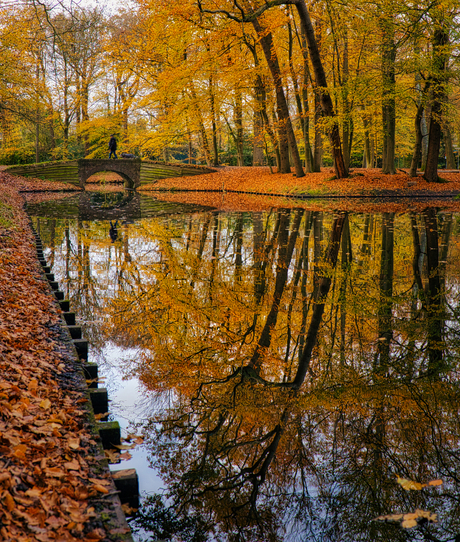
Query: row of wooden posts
x=126, y=481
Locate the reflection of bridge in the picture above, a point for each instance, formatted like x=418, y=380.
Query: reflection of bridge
x=134, y=172
x=122, y=206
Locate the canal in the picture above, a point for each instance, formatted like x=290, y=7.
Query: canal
x=283, y=374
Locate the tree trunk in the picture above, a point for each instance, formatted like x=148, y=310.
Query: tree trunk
x=306, y=107
x=261, y=94
x=450, y=157
x=239, y=126
x=326, y=102
x=318, y=150
x=417, y=155
x=425, y=134
x=347, y=133
x=388, y=98
x=367, y=159
x=202, y=129
x=285, y=126
x=440, y=57
x=258, y=143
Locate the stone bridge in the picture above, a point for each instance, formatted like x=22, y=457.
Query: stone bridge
x=129, y=170
x=135, y=172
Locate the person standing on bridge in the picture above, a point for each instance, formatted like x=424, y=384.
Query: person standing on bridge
x=113, y=147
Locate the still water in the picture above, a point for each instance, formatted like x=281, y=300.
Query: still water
x=293, y=373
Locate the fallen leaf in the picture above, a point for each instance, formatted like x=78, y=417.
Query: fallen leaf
x=72, y=465
x=128, y=510
x=96, y=534
x=125, y=456
x=409, y=523
x=20, y=451
x=124, y=446
x=100, y=488
x=112, y=456
x=9, y=501
x=409, y=484
x=74, y=443
x=45, y=404
x=32, y=387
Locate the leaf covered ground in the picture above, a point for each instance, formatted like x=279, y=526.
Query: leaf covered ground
x=52, y=486
x=246, y=188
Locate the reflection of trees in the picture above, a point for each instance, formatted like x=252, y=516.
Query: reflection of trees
x=311, y=359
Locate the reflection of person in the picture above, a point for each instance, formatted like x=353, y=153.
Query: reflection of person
x=113, y=147
x=113, y=232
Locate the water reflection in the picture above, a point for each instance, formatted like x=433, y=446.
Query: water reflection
x=296, y=363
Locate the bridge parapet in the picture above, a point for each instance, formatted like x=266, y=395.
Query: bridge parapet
x=134, y=172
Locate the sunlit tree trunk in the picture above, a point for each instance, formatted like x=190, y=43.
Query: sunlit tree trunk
x=239, y=126
x=388, y=98
x=306, y=108
x=347, y=133
x=318, y=149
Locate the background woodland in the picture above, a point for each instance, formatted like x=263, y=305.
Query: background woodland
x=279, y=83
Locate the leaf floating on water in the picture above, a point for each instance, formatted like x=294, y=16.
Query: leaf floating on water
x=410, y=484
x=409, y=523
x=410, y=519
x=125, y=456
x=112, y=456
x=124, y=446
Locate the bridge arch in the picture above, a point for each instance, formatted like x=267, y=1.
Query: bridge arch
x=129, y=170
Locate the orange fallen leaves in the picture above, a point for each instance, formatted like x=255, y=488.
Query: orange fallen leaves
x=47, y=452
x=247, y=188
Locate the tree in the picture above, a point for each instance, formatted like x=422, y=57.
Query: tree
x=320, y=76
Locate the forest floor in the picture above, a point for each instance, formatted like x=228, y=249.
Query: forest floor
x=52, y=486
x=50, y=474
x=257, y=188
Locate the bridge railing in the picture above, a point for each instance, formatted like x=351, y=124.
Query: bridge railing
x=69, y=172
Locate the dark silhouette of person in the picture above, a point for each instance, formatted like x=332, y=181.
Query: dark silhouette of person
x=113, y=232
x=113, y=147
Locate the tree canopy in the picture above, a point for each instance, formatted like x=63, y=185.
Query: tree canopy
x=372, y=84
